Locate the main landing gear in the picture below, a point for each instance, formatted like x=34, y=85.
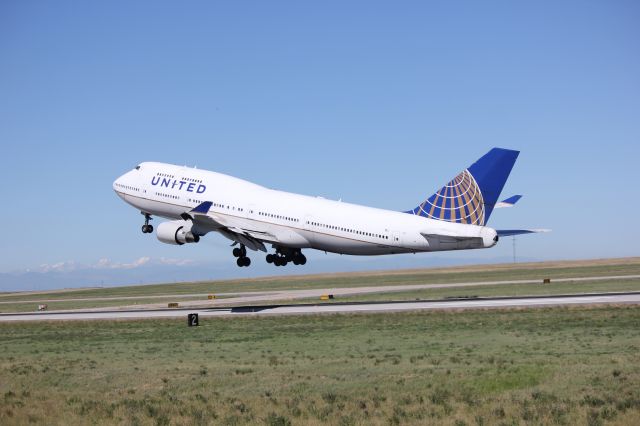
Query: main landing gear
x=146, y=228
x=286, y=255
x=241, y=254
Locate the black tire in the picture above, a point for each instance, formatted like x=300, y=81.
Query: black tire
x=269, y=258
x=149, y=229
x=247, y=261
x=240, y=262
x=237, y=252
x=303, y=259
x=144, y=229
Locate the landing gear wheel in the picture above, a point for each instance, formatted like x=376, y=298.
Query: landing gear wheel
x=237, y=252
x=243, y=261
x=146, y=228
x=299, y=259
x=270, y=258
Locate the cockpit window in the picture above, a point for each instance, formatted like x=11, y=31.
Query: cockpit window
x=138, y=167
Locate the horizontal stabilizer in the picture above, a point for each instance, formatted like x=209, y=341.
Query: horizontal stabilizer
x=510, y=232
x=509, y=202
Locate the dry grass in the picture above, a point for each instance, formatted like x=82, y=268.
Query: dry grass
x=91, y=297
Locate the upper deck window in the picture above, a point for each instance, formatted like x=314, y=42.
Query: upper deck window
x=138, y=167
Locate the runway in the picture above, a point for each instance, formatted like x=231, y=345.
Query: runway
x=267, y=296
x=336, y=307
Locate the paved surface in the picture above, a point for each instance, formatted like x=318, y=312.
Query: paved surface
x=332, y=307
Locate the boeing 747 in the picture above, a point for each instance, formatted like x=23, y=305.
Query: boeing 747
x=197, y=202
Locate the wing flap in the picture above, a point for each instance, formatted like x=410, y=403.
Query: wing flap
x=244, y=239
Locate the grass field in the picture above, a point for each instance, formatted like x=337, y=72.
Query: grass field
x=17, y=302
x=540, y=366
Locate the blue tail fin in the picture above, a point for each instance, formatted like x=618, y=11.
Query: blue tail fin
x=471, y=196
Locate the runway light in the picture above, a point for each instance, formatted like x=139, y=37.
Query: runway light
x=546, y=281
x=173, y=305
x=326, y=297
x=211, y=296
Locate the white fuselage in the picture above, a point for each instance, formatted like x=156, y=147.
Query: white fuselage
x=298, y=221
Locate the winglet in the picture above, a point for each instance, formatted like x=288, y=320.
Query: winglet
x=509, y=202
x=202, y=208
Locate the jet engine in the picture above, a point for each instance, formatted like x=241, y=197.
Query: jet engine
x=176, y=232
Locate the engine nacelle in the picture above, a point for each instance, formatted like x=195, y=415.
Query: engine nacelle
x=176, y=232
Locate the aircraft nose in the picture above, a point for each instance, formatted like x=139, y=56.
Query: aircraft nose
x=118, y=184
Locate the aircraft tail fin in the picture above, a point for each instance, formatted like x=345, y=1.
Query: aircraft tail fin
x=471, y=196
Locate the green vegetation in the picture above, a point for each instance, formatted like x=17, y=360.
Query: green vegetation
x=540, y=366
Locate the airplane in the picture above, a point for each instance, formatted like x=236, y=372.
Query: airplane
x=198, y=202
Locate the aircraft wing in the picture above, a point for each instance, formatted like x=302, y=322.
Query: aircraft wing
x=510, y=232
x=205, y=222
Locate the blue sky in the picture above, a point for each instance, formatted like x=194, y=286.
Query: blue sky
x=378, y=103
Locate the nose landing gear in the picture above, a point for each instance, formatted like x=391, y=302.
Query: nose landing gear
x=147, y=228
x=241, y=254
